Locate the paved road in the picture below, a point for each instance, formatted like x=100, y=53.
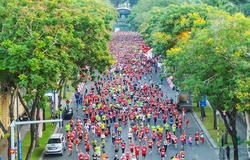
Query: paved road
x=202, y=152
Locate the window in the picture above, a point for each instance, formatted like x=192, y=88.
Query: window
x=54, y=140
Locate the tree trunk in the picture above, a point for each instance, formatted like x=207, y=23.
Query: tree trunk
x=65, y=89
x=33, y=135
x=33, y=127
x=247, y=116
x=61, y=84
x=215, y=119
x=226, y=137
x=232, y=120
x=204, y=112
x=44, y=124
x=3, y=128
x=231, y=128
x=11, y=114
x=60, y=97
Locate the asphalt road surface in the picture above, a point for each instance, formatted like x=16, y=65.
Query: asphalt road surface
x=200, y=152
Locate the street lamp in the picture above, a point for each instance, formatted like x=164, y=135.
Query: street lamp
x=19, y=141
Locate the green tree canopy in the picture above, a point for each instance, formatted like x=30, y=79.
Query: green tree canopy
x=212, y=62
x=42, y=42
x=177, y=23
x=140, y=12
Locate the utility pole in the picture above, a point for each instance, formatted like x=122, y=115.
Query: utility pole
x=18, y=132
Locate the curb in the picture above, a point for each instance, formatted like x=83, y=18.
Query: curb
x=56, y=130
x=204, y=129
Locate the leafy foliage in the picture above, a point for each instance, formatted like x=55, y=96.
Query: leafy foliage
x=140, y=11
x=44, y=42
x=177, y=23
x=214, y=63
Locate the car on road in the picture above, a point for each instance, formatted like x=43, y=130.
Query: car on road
x=67, y=114
x=56, y=144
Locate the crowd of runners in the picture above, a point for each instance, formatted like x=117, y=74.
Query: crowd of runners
x=127, y=96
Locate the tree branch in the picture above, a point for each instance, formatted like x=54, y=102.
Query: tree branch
x=23, y=103
x=211, y=78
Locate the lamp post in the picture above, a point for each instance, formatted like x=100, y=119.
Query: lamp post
x=18, y=132
x=54, y=99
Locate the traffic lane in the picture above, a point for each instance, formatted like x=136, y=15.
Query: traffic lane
x=109, y=149
x=204, y=151
x=200, y=152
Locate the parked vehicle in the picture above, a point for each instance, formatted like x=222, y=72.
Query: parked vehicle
x=55, y=144
x=184, y=101
x=67, y=114
x=24, y=117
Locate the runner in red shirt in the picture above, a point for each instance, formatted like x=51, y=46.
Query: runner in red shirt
x=117, y=141
x=131, y=147
x=150, y=145
x=77, y=142
x=123, y=145
x=70, y=147
x=182, y=154
x=87, y=146
x=71, y=122
x=147, y=130
x=162, y=153
x=72, y=136
x=140, y=137
x=80, y=156
x=86, y=156
x=182, y=139
x=159, y=136
x=106, y=133
x=180, y=126
x=196, y=138
x=127, y=155
x=158, y=145
x=187, y=122
x=80, y=134
x=144, y=151
x=168, y=137
x=137, y=151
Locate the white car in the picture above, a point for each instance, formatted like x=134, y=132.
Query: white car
x=55, y=144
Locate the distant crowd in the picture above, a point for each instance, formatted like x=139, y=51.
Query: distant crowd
x=128, y=96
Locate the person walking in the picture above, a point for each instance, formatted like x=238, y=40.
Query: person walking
x=222, y=138
x=228, y=152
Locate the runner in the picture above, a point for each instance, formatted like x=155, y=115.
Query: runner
x=80, y=155
x=129, y=94
x=70, y=147
x=144, y=151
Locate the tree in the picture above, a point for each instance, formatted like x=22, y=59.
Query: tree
x=151, y=23
x=43, y=42
x=177, y=23
x=133, y=2
x=211, y=57
x=140, y=11
x=245, y=8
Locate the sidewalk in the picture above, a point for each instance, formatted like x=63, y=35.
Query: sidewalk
x=241, y=130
